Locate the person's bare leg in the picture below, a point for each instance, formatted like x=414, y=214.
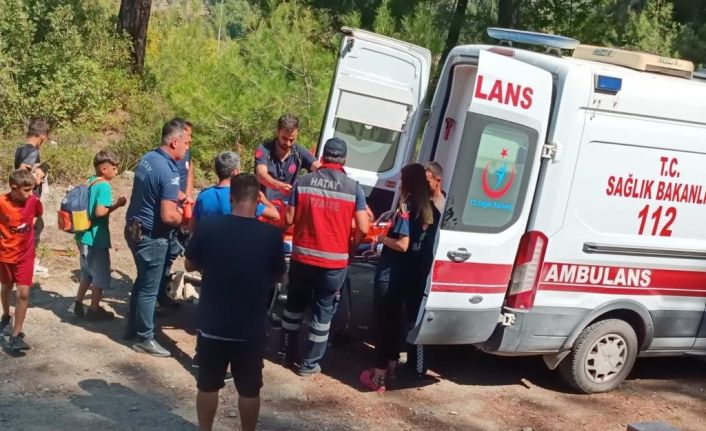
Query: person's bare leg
x=82, y=289
x=249, y=409
x=22, y=296
x=206, y=406
x=96, y=295
x=5, y=298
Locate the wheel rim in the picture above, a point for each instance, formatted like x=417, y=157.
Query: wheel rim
x=606, y=358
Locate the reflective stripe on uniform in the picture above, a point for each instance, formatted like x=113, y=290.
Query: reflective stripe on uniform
x=320, y=326
x=289, y=326
x=318, y=253
x=326, y=193
x=293, y=316
x=318, y=338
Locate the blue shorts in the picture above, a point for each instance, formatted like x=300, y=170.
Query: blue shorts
x=95, y=265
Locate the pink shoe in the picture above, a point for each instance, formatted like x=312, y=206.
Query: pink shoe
x=367, y=378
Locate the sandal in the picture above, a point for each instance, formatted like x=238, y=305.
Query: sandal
x=367, y=378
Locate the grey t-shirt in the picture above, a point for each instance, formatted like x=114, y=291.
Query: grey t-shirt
x=28, y=154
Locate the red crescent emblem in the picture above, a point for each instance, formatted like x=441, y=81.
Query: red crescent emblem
x=258, y=153
x=495, y=194
x=292, y=168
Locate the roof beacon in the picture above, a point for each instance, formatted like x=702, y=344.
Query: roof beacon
x=551, y=41
x=608, y=84
x=636, y=60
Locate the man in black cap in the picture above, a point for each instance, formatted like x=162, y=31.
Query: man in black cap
x=322, y=206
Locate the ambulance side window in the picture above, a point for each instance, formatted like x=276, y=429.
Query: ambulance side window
x=369, y=147
x=491, y=175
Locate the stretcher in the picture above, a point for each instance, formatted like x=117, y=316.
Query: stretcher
x=367, y=251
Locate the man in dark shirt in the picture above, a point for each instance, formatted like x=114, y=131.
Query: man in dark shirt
x=27, y=157
x=278, y=162
x=239, y=258
x=150, y=221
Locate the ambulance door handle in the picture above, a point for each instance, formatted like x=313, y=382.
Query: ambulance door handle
x=458, y=255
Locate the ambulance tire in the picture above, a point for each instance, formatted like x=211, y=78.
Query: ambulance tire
x=614, y=343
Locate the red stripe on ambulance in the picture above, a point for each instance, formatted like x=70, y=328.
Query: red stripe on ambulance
x=470, y=277
x=622, y=280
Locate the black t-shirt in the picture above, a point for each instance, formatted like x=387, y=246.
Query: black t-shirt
x=285, y=170
x=239, y=257
x=421, y=241
x=28, y=155
x=420, y=253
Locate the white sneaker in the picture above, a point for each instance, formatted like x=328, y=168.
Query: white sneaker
x=190, y=294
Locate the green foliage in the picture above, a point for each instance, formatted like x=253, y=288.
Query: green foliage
x=234, y=91
x=233, y=66
x=70, y=161
x=422, y=27
x=61, y=61
x=147, y=112
x=652, y=29
x=385, y=23
x=692, y=43
x=645, y=26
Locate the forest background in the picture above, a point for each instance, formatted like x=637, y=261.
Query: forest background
x=233, y=66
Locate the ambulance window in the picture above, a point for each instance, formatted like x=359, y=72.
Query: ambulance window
x=370, y=147
x=491, y=175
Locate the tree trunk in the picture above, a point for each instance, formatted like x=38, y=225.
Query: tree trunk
x=133, y=18
x=451, y=42
x=454, y=28
x=508, y=13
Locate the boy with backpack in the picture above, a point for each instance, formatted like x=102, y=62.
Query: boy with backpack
x=19, y=210
x=94, y=243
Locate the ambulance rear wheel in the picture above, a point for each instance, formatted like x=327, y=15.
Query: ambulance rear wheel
x=601, y=357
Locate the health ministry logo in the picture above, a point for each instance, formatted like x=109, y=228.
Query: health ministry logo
x=501, y=179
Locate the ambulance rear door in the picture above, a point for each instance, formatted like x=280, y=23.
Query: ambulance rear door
x=375, y=105
x=490, y=194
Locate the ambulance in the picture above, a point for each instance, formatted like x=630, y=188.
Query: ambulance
x=575, y=223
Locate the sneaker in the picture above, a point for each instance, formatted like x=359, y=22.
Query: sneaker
x=228, y=377
x=78, y=310
x=304, y=372
x=151, y=347
x=16, y=344
x=367, y=378
x=99, y=315
x=5, y=325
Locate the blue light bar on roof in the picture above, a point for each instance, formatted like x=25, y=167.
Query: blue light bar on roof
x=532, y=38
x=608, y=84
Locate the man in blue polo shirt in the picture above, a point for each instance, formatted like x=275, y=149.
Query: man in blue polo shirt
x=152, y=215
x=177, y=241
x=278, y=162
x=215, y=200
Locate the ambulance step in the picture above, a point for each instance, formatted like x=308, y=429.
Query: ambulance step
x=651, y=426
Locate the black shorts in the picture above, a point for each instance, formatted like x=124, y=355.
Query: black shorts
x=244, y=357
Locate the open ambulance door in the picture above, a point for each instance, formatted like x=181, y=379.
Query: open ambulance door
x=375, y=105
x=491, y=178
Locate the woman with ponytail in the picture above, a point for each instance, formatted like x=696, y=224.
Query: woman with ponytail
x=406, y=250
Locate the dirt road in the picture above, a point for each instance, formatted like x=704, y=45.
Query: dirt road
x=81, y=376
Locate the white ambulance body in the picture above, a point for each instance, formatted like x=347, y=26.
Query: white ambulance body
x=575, y=223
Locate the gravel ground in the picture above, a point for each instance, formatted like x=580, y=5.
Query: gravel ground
x=81, y=376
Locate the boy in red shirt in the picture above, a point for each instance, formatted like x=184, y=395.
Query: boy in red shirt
x=18, y=211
